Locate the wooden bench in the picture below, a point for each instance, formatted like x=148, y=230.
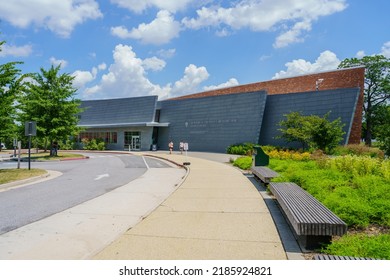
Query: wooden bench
x=312, y=222
x=321, y=257
x=264, y=173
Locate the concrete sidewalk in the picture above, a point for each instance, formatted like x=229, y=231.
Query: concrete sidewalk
x=217, y=213
x=84, y=230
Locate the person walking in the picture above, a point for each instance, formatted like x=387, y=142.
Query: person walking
x=181, y=147
x=170, y=146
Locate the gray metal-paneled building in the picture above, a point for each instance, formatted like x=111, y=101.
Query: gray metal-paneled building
x=123, y=123
x=208, y=123
x=340, y=103
x=212, y=123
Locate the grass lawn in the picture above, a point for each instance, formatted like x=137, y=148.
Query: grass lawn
x=46, y=156
x=11, y=175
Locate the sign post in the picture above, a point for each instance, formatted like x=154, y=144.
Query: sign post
x=19, y=151
x=15, y=142
x=30, y=129
x=185, y=148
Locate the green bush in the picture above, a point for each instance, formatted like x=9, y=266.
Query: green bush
x=93, y=144
x=244, y=163
x=360, y=165
x=361, y=245
x=358, y=150
x=355, y=190
x=67, y=145
x=245, y=149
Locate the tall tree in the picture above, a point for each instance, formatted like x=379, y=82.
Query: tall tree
x=382, y=130
x=376, y=90
x=9, y=85
x=49, y=99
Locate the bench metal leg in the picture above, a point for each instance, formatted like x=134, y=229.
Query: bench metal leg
x=312, y=242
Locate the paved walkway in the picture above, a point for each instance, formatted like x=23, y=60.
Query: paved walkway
x=84, y=230
x=212, y=212
x=216, y=213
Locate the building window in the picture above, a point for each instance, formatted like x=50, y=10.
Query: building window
x=107, y=137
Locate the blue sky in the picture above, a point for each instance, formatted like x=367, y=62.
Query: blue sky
x=124, y=48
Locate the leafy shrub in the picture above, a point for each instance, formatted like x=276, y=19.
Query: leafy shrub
x=244, y=163
x=358, y=150
x=360, y=166
x=359, y=196
x=361, y=245
x=245, y=149
x=67, y=145
x=357, y=189
x=289, y=154
x=93, y=144
x=385, y=169
x=269, y=148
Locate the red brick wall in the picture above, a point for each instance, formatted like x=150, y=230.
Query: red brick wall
x=342, y=78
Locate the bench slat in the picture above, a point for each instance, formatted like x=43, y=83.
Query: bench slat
x=307, y=215
x=322, y=257
x=265, y=174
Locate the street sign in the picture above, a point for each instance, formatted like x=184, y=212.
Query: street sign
x=30, y=128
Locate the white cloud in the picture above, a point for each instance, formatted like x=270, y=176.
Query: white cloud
x=57, y=62
x=386, y=49
x=154, y=64
x=160, y=31
x=166, y=53
x=60, y=17
x=139, y=6
x=360, y=54
x=16, y=51
x=127, y=77
x=82, y=78
x=326, y=61
x=193, y=77
x=231, y=83
x=293, y=17
x=294, y=35
x=102, y=66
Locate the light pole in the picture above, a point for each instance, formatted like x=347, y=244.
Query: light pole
x=318, y=82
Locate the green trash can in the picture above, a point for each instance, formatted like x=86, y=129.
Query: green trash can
x=259, y=157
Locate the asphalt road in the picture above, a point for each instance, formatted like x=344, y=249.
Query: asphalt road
x=82, y=180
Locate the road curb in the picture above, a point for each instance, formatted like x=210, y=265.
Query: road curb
x=24, y=181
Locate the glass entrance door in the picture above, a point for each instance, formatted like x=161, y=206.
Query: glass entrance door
x=132, y=140
x=135, y=143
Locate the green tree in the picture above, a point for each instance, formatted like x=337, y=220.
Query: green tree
x=9, y=85
x=49, y=99
x=313, y=131
x=376, y=89
x=324, y=134
x=295, y=129
x=382, y=131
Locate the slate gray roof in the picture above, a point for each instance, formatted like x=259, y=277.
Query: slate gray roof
x=130, y=111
